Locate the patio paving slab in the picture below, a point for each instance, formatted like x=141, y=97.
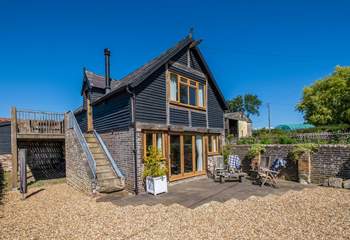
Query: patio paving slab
x=192, y=194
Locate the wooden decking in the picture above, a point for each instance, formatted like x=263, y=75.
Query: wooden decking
x=28, y=125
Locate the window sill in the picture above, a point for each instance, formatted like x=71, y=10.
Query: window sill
x=187, y=106
x=213, y=153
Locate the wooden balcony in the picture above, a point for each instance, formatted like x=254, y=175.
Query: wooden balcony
x=39, y=125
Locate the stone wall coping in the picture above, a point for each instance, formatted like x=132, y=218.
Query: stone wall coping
x=283, y=145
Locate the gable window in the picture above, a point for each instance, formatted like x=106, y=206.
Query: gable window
x=187, y=92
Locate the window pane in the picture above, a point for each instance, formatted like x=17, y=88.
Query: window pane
x=160, y=143
x=201, y=95
x=184, y=94
x=173, y=87
x=215, y=146
x=188, y=164
x=148, y=141
x=199, y=153
x=175, y=158
x=193, y=97
x=210, y=143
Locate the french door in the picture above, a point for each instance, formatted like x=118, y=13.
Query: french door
x=187, y=156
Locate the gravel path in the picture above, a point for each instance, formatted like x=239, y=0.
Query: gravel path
x=60, y=212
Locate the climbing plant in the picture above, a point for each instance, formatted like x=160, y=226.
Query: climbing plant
x=255, y=150
x=300, y=149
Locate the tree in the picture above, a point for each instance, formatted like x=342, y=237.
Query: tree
x=249, y=104
x=327, y=101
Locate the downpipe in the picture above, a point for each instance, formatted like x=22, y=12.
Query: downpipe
x=133, y=98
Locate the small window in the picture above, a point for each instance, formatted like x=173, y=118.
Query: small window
x=214, y=144
x=154, y=140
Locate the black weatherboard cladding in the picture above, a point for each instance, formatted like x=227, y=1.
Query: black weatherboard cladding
x=151, y=98
x=186, y=74
x=96, y=93
x=198, y=119
x=215, y=111
x=5, y=138
x=179, y=117
x=181, y=57
x=113, y=114
x=194, y=63
x=81, y=119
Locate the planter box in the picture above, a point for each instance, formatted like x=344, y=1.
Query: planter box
x=156, y=185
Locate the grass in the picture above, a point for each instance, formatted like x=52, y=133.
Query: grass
x=41, y=183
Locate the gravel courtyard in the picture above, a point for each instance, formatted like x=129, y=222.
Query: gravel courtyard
x=58, y=211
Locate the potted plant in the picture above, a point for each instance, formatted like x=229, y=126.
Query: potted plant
x=155, y=172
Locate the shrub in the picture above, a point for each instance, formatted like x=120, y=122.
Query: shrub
x=154, y=164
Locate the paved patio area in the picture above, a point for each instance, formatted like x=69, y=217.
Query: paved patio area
x=194, y=193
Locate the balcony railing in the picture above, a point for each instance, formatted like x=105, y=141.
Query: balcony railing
x=37, y=122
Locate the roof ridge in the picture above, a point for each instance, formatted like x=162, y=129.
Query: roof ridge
x=157, y=57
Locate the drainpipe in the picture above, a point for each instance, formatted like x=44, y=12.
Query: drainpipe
x=133, y=109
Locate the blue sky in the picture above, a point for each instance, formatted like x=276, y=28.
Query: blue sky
x=269, y=48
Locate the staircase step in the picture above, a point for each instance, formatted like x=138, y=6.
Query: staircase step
x=110, y=185
x=95, y=150
x=105, y=175
x=91, y=140
x=99, y=156
x=103, y=168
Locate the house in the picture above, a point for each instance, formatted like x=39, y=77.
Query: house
x=238, y=125
x=172, y=103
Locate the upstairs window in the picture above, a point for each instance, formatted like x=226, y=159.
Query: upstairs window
x=185, y=91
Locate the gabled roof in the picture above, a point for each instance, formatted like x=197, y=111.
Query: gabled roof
x=5, y=120
x=98, y=81
x=237, y=116
x=139, y=75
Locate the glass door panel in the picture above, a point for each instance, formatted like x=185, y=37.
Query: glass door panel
x=188, y=154
x=199, y=153
x=175, y=155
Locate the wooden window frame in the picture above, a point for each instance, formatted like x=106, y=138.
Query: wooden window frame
x=154, y=142
x=218, y=144
x=188, y=83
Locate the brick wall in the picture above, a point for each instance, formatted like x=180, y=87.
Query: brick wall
x=78, y=173
x=328, y=161
x=121, y=145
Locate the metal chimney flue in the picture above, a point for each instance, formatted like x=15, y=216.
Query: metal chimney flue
x=107, y=70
